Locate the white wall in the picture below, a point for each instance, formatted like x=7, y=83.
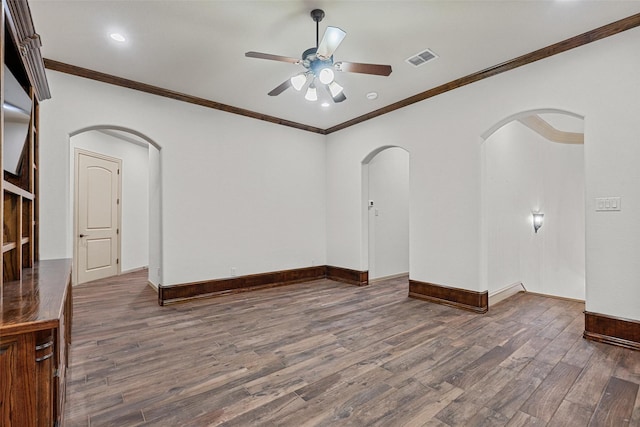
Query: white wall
x=388, y=187
x=239, y=192
x=134, y=229
x=443, y=136
x=525, y=172
x=236, y=192
x=155, y=217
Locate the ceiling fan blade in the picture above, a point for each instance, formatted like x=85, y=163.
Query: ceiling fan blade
x=260, y=55
x=355, y=67
x=281, y=88
x=331, y=39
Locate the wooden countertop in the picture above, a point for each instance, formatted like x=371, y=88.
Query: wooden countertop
x=35, y=302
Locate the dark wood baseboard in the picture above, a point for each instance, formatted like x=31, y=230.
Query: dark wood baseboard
x=216, y=287
x=612, y=330
x=346, y=275
x=477, y=302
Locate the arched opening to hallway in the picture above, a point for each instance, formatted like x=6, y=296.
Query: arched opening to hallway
x=137, y=243
x=534, y=162
x=385, y=193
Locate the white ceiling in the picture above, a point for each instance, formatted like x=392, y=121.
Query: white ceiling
x=197, y=47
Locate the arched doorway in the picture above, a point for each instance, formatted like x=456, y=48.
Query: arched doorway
x=385, y=190
x=139, y=233
x=533, y=162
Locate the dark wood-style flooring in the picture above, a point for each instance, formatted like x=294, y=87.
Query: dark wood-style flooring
x=325, y=353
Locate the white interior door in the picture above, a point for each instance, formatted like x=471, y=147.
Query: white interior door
x=97, y=184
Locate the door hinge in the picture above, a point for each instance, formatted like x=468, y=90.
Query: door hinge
x=118, y=201
x=117, y=260
x=117, y=231
x=118, y=171
x=56, y=373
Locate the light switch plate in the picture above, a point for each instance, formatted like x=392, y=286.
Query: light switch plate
x=608, y=203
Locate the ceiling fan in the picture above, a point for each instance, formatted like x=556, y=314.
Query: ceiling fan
x=319, y=65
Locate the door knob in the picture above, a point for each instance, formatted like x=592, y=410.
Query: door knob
x=84, y=235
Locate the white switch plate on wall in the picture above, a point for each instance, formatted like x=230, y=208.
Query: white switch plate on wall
x=607, y=203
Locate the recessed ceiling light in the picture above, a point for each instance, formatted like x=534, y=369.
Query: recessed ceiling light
x=372, y=95
x=118, y=37
x=325, y=104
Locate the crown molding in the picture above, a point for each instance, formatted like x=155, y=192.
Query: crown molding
x=20, y=26
x=155, y=90
x=551, y=50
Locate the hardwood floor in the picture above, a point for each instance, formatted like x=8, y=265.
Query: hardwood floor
x=325, y=353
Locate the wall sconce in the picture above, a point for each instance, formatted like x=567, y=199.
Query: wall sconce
x=538, y=219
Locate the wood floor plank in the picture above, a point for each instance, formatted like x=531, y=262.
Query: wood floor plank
x=434, y=402
x=323, y=402
x=526, y=353
x=462, y=414
x=570, y=413
x=513, y=395
x=260, y=415
x=521, y=419
x=471, y=373
x=616, y=405
x=326, y=353
x=635, y=416
x=628, y=366
x=544, y=402
x=589, y=386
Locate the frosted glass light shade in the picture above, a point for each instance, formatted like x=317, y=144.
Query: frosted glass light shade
x=326, y=76
x=312, y=93
x=298, y=81
x=335, y=89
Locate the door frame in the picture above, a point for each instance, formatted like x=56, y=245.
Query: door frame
x=77, y=152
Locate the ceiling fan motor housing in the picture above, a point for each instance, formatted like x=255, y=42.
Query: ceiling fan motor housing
x=313, y=63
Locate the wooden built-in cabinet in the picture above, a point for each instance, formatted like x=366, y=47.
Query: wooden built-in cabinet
x=35, y=334
x=35, y=297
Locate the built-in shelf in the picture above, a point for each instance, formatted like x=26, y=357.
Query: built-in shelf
x=35, y=298
x=7, y=246
x=14, y=189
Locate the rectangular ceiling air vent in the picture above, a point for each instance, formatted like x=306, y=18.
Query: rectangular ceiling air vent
x=421, y=58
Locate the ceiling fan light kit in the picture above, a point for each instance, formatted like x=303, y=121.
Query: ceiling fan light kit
x=298, y=81
x=319, y=65
x=335, y=89
x=312, y=93
x=326, y=76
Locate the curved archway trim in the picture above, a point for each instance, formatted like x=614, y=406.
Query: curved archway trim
x=378, y=150
x=517, y=116
x=117, y=128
